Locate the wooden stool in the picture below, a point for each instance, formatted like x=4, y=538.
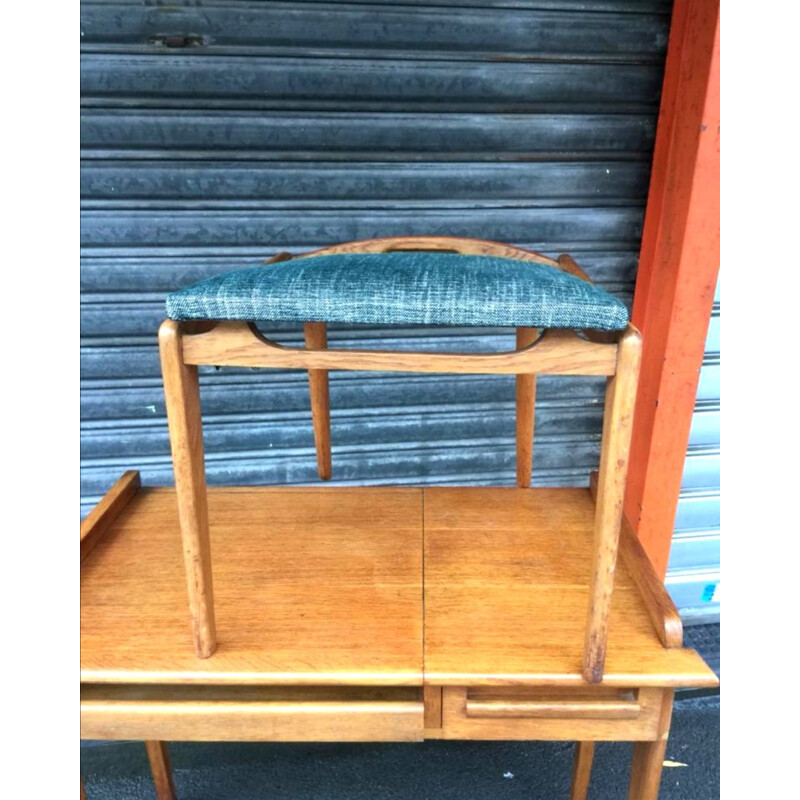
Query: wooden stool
x=185, y=345
x=386, y=614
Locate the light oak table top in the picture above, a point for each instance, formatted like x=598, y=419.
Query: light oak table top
x=325, y=586
x=311, y=585
x=506, y=586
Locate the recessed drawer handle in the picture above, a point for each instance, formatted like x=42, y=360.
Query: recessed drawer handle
x=623, y=707
x=269, y=709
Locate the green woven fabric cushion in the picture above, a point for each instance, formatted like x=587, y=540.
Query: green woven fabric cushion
x=426, y=288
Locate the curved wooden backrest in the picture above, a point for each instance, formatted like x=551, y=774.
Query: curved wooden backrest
x=441, y=244
x=452, y=244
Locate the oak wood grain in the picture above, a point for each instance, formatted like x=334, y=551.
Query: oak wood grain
x=581, y=770
x=617, y=430
x=182, y=395
x=99, y=519
x=452, y=244
x=648, y=757
x=525, y=412
x=161, y=768
x=312, y=585
x=659, y=605
x=556, y=352
x=290, y=714
x=432, y=696
x=316, y=338
x=648, y=760
x=491, y=704
x=311, y=696
x=278, y=257
x=324, y=585
x=660, y=608
x=507, y=575
x=568, y=264
x=457, y=723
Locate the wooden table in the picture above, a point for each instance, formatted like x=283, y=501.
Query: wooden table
x=375, y=614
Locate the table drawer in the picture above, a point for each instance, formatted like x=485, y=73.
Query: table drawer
x=550, y=713
x=266, y=714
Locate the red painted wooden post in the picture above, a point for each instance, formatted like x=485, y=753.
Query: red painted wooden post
x=678, y=267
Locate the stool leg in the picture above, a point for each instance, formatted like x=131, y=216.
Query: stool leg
x=83, y=791
x=182, y=394
x=158, y=755
x=581, y=770
x=617, y=428
x=526, y=402
x=316, y=336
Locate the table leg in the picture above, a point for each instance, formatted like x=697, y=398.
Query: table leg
x=158, y=755
x=581, y=770
x=648, y=757
x=83, y=791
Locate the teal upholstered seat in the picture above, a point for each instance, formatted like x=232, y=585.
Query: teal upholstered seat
x=426, y=288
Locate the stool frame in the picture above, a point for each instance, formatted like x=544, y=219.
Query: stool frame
x=616, y=355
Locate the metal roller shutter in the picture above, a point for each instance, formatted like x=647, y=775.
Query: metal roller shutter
x=693, y=573
x=216, y=134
